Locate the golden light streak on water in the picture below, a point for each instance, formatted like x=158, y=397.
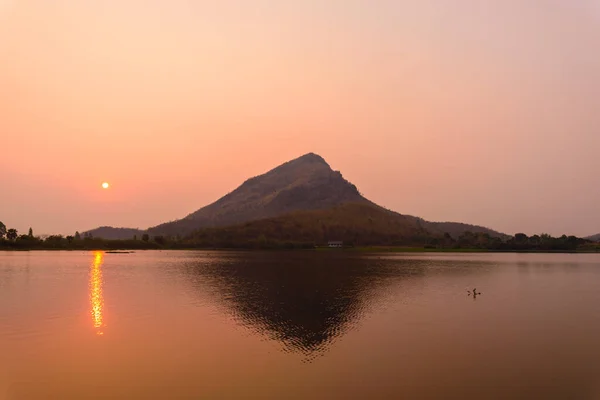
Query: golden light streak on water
x=96, y=297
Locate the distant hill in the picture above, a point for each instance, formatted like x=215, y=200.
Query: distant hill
x=455, y=229
x=300, y=199
x=110, y=233
x=594, y=238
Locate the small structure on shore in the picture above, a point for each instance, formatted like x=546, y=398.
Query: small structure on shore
x=335, y=243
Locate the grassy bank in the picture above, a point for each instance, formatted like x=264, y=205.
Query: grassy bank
x=385, y=249
x=108, y=245
x=399, y=249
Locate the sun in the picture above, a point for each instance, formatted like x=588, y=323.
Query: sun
x=105, y=185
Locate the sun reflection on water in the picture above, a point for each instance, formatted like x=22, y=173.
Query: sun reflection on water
x=96, y=297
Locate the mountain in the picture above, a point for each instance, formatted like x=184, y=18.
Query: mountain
x=306, y=183
x=308, y=308
x=302, y=199
x=594, y=238
x=110, y=233
x=360, y=223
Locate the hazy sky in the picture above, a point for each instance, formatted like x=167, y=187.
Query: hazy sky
x=478, y=111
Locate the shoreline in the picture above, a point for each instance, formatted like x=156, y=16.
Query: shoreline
x=361, y=249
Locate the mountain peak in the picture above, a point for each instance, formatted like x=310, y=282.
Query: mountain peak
x=305, y=183
x=308, y=160
x=311, y=157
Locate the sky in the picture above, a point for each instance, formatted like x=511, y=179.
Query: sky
x=478, y=111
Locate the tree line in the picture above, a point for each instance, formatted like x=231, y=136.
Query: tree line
x=522, y=242
x=234, y=239
x=10, y=239
x=12, y=234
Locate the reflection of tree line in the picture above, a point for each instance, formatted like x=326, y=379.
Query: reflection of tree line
x=301, y=300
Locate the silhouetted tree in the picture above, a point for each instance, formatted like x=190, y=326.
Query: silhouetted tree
x=2, y=230
x=12, y=234
x=30, y=234
x=521, y=238
x=70, y=238
x=159, y=239
x=54, y=238
x=77, y=236
x=535, y=240
x=134, y=237
x=145, y=237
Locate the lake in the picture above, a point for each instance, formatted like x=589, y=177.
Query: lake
x=298, y=325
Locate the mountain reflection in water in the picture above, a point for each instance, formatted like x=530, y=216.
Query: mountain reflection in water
x=298, y=325
x=304, y=302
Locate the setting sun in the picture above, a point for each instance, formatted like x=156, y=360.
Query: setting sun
x=105, y=185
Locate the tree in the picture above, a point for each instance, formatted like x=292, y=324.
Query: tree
x=12, y=234
x=30, y=234
x=2, y=230
x=535, y=240
x=134, y=237
x=145, y=237
x=77, y=236
x=70, y=238
x=54, y=238
x=521, y=238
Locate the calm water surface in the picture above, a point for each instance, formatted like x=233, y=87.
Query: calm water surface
x=216, y=325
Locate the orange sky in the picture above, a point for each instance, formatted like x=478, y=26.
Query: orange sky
x=467, y=110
